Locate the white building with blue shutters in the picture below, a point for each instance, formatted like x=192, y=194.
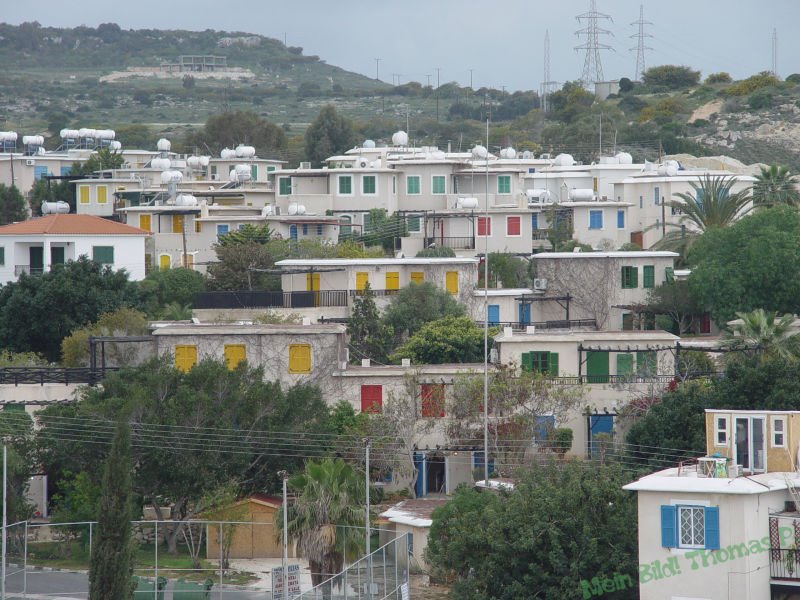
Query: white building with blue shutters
x=712, y=529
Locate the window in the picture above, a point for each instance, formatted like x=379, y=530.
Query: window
x=624, y=364
x=319, y=229
x=485, y=226
x=432, y=396
x=270, y=169
x=641, y=201
x=83, y=194
x=540, y=362
x=595, y=219
x=417, y=277
x=345, y=228
x=690, y=527
x=394, y=184
x=656, y=195
x=535, y=221
x=103, y=254
x=305, y=228
x=648, y=276
x=451, y=282
x=177, y=223
x=620, y=219
x=392, y=281
x=439, y=184
x=234, y=354
x=367, y=225
x=164, y=262
x=2, y=255
x=198, y=226
x=646, y=363
x=369, y=185
x=513, y=226
x=254, y=172
x=185, y=357
x=299, y=358
x=345, y=185
x=778, y=432
x=721, y=431
x=371, y=398
x=102, y=194
x=630, y=278
x=627, y=322
x=412, y=184
x=284, y=186
x=144, y=222
x=40, y=172
x=504, y=184
x=222, y=229
x=413, y=223
x=187, y=261
x=362, y=278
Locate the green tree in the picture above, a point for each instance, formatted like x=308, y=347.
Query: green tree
x=325, y=515
x=162, y=287
x=123, y=321
x=672, y=77
x=765, y=334
x=82, y=290
x=775, y=185
x=674, y=300
x=228, y=129
x=517, y=548
x=111, y=564
x=382, y=229
x=507, y=270
x=243, y=267
x=570, y=101
x=721, y=77
x=103, y=160
x=329, y=134
x=17, y=434
x=369, y=336
x=418, y=304
x=437, y=252
x=711, y=205
x=248, y=233
x=12, y=205
x=754, y=263
x=448, y=340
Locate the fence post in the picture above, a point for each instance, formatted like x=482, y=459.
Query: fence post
x=25, y=564
x=155, y=546
x=90, y=540
x=221, y=541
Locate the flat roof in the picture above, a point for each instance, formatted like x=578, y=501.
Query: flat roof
x=505, y=292
x=415, y=513
x=590, y=336
x=669, y=481
x=355, y=262
x=639, y=254
x=255, y=328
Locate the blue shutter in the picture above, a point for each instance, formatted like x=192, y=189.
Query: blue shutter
x=494, y=314
x=535, y=221
x=669, y=529
x=712, y=527
x=621, y=219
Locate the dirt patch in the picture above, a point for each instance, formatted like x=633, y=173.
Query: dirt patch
x=705, y=111
x=422, y=588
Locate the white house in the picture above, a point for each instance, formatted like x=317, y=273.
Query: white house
x=33, y=246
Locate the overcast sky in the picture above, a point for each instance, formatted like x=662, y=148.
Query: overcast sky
x=500, y=41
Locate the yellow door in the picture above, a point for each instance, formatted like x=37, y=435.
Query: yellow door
x=312, y=285
x=234, y=354
x=185, y=357
x=451, y=282
x=392, y=281
x=362, y=278
x=144, y=222
x=188, y=261
x=164, y=262
x=417, y=277
x=177, y=223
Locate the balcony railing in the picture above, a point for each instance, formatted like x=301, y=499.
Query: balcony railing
x=784, y=563
x=613, y=379
x=549, y=325
x=456, y=243
x=261, y=299
x=540, y=235
x=42, y=375
x=28, y=270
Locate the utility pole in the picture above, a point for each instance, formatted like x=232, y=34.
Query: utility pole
x=366, y=518
x=592, y=66
x=5, y=521
x=377, y=69
x=437, y=93
x=285, y=562
x=486, y=321
x=775, y=52
x=640, y=47
x=470, y=79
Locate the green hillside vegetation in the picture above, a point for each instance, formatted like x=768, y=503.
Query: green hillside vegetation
x=57, y=77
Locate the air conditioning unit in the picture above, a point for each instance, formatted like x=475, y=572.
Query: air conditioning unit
x=540, y=284
x=305, y=165
x=30, y=162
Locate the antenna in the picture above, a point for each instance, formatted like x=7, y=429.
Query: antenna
x=547, y=85
x=640, y=47
x=592, y=67
x=775, y=52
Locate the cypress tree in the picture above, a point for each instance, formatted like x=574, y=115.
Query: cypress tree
x=111, y=565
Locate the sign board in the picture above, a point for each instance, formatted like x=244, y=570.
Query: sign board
x=293, y=572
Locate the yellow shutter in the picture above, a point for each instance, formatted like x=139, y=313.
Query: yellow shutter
x=198, y=226
x=417, y=277
x=299, y=358
x=234, y=354
x=164, y=262
x=102, y=194
x=362, y=277
x=185, y=357
x=83, y=194
x=392, y=280
x=451, y=282
x=312, y=282
x=144, y=222
x=188, y=261
x=177, y=223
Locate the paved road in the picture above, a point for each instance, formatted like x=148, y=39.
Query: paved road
x=66, y=585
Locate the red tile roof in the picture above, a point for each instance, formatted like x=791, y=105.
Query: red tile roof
x=70, y=225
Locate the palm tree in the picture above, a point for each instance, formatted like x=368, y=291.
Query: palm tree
x=711, y=204
x=775, y=185
x=764, y=333
x=175, y=311
x=325, y=518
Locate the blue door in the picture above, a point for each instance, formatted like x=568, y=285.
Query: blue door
x=544, y=425
x=420, y=489
x=599, y=424
x=524, y=314
x=293, y=233
x=494, y=314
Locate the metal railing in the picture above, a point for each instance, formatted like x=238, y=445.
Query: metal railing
x=381, y=575
x=42, y=375
x=261, y=299
x=613, y=379
x=563, y=324
x=456, y=243
x=784, y=563
x=28, y=270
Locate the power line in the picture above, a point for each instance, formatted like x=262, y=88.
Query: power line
x=640, y=47
x=592, y=65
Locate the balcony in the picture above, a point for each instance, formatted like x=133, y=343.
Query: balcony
x=28, y=270
x=456, y=243
x=784, y=563
x=261, y=299
x=540, y=235
x=590, y=324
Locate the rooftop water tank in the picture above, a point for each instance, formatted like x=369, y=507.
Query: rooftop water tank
x=193, y=162
x=171, y=177
x=227, y=153
x=369, y=143
x=508, y=153
x=55, y=208
x=467, y=203
x=480, y=152
x=204, y=160
x=163, y=145
x=70, y=134
x=115, y=145
x=185, y=200
x=624, y=158
x=162, y=164
x=564, y=160
x=400, y=138
x=581, y=194
x=245, y=151
x=33, y=140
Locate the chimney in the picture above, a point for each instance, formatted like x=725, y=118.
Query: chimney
x=365, y=362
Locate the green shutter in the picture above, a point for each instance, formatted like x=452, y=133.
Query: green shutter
x=413, y=223
x=2, y=255
x=634, y=277
x=285, y=186
x=648, y=276
x=669, y=274
x=552, y=367
x=103, y=254
x=624, y=365
x=527, y=361
x=254, y=172
x=646, y=363
x=597, y=367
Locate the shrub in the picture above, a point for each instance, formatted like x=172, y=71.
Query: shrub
x=721, y=77
x=752, y=83
x=760, y=100
x=672, y=77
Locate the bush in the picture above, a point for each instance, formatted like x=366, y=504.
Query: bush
x=560, y=440
x=672, y=77
x=760, y=100
x=721, y=77
x=794, y=78
x=753, y=83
